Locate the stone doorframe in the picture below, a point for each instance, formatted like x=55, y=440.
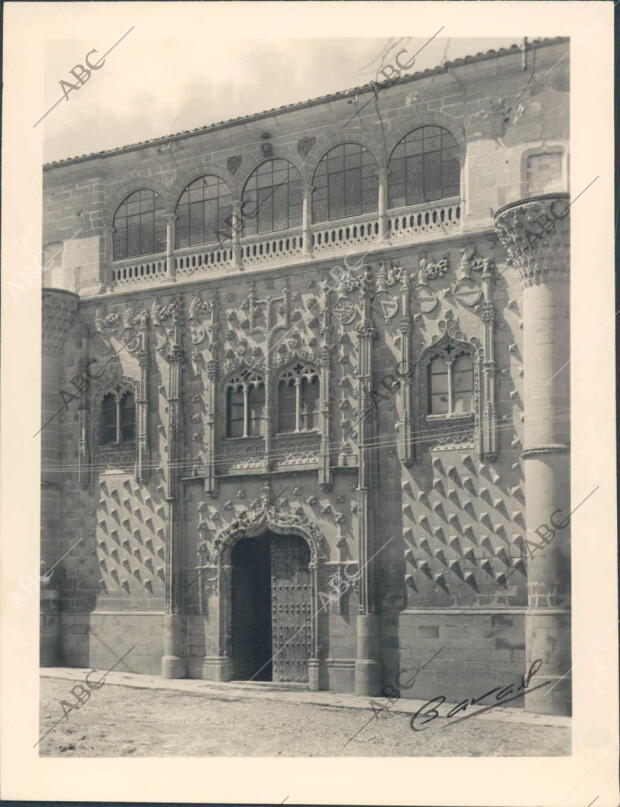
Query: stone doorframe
x=216, y=578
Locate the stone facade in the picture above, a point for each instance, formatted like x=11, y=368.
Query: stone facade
x=424, y=521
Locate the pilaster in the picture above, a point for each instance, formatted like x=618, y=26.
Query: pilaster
x=368, y=669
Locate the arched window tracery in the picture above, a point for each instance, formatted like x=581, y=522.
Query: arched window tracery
x=345, y=183
x=117, y=417
x=245, y=405
x=424, y=167
x=139, y=226
x=298, y=399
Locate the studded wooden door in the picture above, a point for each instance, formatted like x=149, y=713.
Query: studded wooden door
x=290, y=608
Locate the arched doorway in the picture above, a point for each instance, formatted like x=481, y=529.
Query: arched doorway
x=271, y=608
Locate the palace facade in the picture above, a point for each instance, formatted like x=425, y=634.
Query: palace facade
x=305, y=391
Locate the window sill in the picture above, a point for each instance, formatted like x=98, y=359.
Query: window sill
x=115, y=446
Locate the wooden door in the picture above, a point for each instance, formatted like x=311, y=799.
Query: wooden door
x=290, y=608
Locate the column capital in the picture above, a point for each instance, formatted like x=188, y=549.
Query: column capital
x=535, y=233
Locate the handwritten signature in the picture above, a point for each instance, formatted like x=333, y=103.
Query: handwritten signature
x=428, y=712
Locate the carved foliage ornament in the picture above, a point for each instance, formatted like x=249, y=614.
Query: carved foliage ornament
x=266, y=517
x=535, y=234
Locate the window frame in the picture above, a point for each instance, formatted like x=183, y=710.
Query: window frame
x=409, y=167
x=253, y=188
x=368, y=173
x=295, y=376
x=117, y=395
x=157, y=224
x=223, y=206
x=449, y=354
x=244, y=382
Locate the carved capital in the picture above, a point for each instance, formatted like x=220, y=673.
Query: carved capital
x=535, y=234
x=176, y=354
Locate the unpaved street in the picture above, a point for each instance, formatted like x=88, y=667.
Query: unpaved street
x=125, y=721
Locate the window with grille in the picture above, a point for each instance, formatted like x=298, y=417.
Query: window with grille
x=424, y=167
x=345, y=184
x=139, y=226
x=202, y=211
x=272, y=198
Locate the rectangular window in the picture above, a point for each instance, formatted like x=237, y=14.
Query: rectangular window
x=438, y=383
x=235, y=413
x=309, y=404
x=286, y=407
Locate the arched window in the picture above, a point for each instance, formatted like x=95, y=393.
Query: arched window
x=118, y=417
x=245, y=404
x=202, y=210
x=345, y=183
x=423, y=167
x=298, y=399
x=451, y=384
x=272, y=198
x=139, y=226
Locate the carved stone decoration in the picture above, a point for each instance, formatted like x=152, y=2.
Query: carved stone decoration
x=233, y=163
x=305, y=145
x=267, y=518
x=344, y=310
x=431, y=270
x=386, y=305
x=467, y=293
x=425, y=298
x=535, y=234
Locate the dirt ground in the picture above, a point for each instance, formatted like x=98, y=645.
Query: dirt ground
x=125, y=721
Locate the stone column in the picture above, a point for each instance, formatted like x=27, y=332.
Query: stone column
x=368, y=667
x=107, y=278
x=171, y=269
x=237, y=228
x=59, y=312
x=174, y=661
x=535, y=234
x=306, y=219
x=382, y=208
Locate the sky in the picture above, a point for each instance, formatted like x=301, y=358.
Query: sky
x=150, y=88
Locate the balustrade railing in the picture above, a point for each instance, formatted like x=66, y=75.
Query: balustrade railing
x=336, y=235
x=430, y=220
x=435, y=217
x=270, y=248
x=137, y=270
x=200, y=260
